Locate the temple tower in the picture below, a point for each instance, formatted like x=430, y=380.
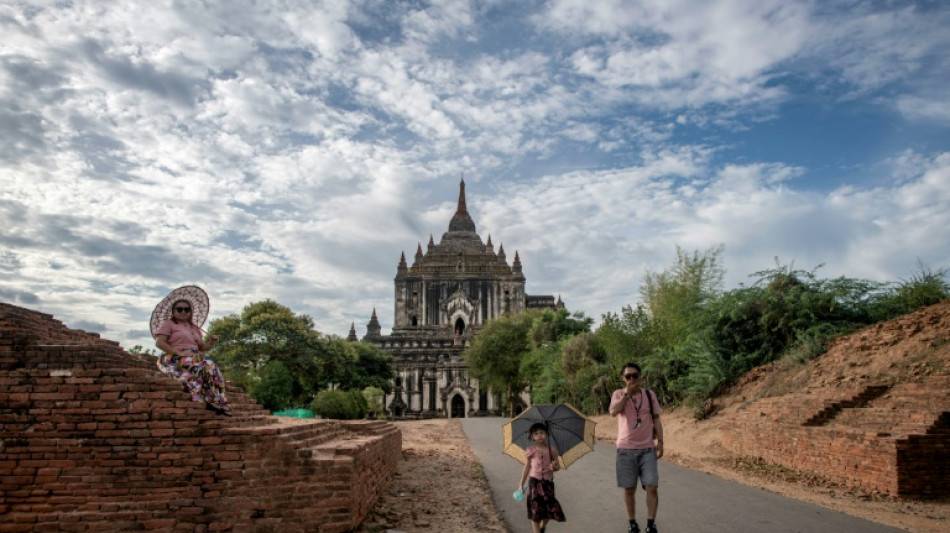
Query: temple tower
x=441, y=301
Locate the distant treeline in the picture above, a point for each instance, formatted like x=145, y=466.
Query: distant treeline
x=691, y=337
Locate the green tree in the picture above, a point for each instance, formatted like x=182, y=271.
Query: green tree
x=374, y=368
x=267, y=332
x=336, y=360
x=673, y=297
x=625, y=337
x=275, y=389
x=673, y=301
x=552, y=325
x=541, y=365
x=495, y=355
x=583, y=363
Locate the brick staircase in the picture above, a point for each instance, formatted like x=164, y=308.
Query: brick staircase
x=888, y=439
x=93, y=438
x=832, y=409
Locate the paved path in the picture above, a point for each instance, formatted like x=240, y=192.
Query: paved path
x=690, y=501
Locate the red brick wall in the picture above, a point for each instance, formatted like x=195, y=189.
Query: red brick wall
x=897, y=444
x=95, y=439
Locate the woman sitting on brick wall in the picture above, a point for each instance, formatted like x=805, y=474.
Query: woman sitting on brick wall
x=180, y=338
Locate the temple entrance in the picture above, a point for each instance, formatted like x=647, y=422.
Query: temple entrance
x=459, y=327
x=458, y=406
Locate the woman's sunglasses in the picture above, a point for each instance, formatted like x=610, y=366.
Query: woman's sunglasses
x=182, y=310
x=631, y=376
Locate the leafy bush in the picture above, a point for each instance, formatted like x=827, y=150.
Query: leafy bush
x=340, y=405
x=692, y=340
x=926, y=287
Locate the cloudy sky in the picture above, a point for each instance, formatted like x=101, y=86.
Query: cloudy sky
x=271, y=149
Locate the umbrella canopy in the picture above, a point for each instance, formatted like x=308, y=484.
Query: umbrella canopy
x=570, y=431
x=193, y=294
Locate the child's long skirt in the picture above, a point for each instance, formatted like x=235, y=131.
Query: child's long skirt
x=200, y=376
x=542, y=505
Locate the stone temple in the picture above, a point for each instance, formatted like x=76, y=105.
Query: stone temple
x=441, y=301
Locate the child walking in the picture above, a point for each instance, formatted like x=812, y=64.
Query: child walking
x=541, y=465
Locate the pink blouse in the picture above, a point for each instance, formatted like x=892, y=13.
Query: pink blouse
x=542, y=461
x=181, y=336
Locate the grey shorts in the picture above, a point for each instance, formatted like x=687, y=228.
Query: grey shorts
x=634, y=464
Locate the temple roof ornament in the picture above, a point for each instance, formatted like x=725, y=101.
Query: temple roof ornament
x=461, y=221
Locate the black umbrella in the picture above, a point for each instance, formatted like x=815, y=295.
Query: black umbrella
x=570, y=431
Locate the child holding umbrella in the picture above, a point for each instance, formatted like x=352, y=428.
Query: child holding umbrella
x=542, y=462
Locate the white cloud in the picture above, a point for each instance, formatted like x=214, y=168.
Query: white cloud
x=292, y=152
x=929, y=109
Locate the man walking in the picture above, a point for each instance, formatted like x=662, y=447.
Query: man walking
x=638, y=425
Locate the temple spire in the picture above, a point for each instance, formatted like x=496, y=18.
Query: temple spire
x=373, y=329
x=461, y=221
x=403, y=268
x=462, y=208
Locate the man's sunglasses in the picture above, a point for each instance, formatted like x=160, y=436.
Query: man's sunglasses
x=631, y=376
x=182, y=310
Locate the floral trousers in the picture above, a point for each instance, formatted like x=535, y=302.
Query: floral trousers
x=201, y=377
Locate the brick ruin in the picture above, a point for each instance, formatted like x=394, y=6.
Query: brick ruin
x=93, y=438
x=890, y=440
x=881, y=433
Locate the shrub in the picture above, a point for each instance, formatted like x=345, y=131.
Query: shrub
x=374, y=400
x=340, y=405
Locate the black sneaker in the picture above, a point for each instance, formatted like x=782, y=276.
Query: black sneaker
x=634, y=528
x=651, y=528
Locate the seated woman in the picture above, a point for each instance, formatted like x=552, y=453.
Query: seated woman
x=181, y=340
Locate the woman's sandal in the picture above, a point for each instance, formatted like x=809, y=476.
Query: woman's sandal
x=220, y=410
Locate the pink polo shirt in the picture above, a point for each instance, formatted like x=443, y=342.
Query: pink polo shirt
x=631, y=436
